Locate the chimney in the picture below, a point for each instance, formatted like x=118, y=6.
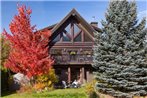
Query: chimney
x=94, y=24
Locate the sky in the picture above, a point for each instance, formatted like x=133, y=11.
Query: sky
x=46, y=13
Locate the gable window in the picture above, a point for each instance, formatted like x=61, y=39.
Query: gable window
x=77, y=34
x=66, y=38
x=76, y=29
x=78, y=38
x=68, y=29
x=73, y=28
x=57, y=39
x=72, y=32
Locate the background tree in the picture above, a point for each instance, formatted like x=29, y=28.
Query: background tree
x=120, y=52
x=29, y=52
x=5, y=49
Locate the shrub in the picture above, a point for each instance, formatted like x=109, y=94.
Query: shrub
x=90, y=89
x=39, y=86
x=46, y=80
x=27, y=88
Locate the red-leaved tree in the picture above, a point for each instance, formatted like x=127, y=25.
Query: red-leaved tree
x=29, y=52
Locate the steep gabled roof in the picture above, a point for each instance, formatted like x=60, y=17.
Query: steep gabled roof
x=48, y=28
x=56, y=28
x=75, y=14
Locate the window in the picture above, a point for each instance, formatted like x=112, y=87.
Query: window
x=76, y=29
x=68, y=29
x=66, y=38
x=78, y=38
x=57, y=39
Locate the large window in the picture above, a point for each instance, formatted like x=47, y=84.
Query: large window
x=72, y=31
x=76, y=29
x=66, y=38
x=68, y=29
x=77, y=34
x=57, y=39
x=78, y=38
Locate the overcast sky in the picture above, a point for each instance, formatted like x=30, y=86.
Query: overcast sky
x=45, y=13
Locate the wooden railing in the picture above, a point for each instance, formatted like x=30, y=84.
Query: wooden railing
x=73, y=59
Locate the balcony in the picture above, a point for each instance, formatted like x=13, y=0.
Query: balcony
x=73, y=59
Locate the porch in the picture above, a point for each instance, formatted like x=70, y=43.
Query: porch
x=69, y=73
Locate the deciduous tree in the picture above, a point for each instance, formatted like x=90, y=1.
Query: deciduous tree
x=29, y=51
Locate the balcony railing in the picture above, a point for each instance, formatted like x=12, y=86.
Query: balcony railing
x=73, y=59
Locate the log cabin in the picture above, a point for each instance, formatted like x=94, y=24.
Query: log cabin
x=71, y=45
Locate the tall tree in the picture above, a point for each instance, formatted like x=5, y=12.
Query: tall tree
x=5, y=50
x=29, y=52
x=120, y=52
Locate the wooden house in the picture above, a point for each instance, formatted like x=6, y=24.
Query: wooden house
x=71, y=45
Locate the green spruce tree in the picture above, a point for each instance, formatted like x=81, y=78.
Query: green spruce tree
x=120, y=52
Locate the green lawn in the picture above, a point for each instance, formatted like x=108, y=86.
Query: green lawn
x=58, y=93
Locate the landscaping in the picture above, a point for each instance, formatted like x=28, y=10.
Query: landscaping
x=74, y=58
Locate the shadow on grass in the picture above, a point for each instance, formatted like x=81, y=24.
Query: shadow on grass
x=7, y=93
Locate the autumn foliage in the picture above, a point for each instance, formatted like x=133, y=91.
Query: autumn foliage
x=29, y=52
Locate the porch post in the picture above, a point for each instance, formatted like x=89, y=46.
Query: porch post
x=83, y=75
x=87, y=74
x=69, y=74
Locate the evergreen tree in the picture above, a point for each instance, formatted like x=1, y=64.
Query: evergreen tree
x=120, y=52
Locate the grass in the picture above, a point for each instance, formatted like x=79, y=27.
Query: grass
x=58, y=93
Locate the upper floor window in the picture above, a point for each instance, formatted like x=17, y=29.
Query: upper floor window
x=78, y=38
x=76, y=29
x=68, y=29
x=57, y=39
x=72, y=32
x=66, y=38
